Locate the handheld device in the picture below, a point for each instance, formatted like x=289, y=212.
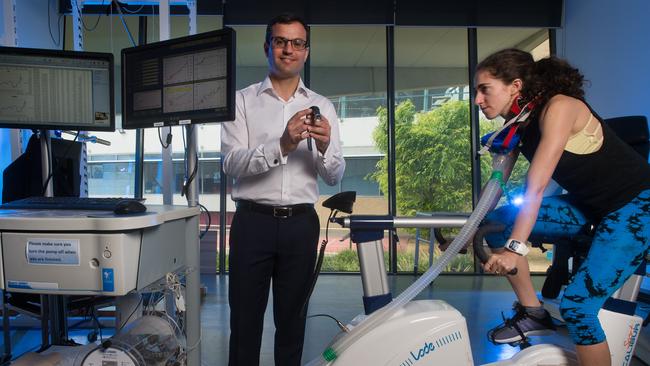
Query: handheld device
x=315, y=115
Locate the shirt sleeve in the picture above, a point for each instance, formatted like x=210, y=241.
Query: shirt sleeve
x=331, y=165
x=240, y=159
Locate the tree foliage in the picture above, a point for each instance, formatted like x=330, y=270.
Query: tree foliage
x=432, y=157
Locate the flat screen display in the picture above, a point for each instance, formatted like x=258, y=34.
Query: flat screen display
x=52, y=89
x=180, y=81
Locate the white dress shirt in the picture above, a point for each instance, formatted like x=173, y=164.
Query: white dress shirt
x=250, y=146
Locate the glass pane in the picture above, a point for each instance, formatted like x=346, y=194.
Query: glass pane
x=356, y=85
x=111, y=169
x=251, y=68
x=535, y=41
x=433, y=169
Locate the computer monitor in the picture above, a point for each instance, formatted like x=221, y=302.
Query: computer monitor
x=24, y=177
x=179, y=81
x=53, y=89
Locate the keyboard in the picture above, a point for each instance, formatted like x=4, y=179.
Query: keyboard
x=68, y=203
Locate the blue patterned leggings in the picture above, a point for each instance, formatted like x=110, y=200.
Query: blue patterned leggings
x=619, y=245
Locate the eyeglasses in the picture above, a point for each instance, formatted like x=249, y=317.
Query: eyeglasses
x=281, y=42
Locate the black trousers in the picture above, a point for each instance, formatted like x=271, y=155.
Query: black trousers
x=263, y=247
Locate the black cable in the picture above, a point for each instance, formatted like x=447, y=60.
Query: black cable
x=50, y=158
x=168, y=138
x=126, y=27
x=319, y=263
x=189, y=178
x=207, y=228
x=58, y=26
x=93, y=314
x=82, y=19
x=130, y=315
x=339, y=323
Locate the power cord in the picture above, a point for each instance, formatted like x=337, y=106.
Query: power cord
x=188, y=177
x=137, y=306
x=207, y=228
x=338, y=322
x=58, y=25
x=51, y=168
x=82, y=20
x=168, y=139
x=126, y=27
x=319, y=262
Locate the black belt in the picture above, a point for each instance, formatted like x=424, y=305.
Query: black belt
x=276, y=211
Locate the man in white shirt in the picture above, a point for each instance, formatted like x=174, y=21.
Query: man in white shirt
x=275, y=231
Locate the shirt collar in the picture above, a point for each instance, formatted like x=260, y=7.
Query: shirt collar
x=267, y=85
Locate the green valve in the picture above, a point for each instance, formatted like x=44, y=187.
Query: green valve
x=498, y=176
x=329, y=355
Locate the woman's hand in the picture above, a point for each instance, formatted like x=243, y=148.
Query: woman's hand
x=501, y=263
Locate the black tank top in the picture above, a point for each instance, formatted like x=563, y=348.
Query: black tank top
x=600, y=182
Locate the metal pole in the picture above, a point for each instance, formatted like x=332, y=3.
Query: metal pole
x=167, y=163
x=193, y=246
x=223, y=203
x=139, y=133
x=472, y=61
x=390, y=104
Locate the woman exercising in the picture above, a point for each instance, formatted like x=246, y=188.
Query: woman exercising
x=607, y=181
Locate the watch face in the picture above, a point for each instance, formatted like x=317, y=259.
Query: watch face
x=514, y=245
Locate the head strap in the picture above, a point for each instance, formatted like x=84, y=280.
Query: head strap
x=520, y=111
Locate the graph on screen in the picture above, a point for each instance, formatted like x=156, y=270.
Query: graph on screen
x=189, y=79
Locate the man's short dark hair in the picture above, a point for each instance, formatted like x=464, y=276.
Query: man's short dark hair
x=286, y=18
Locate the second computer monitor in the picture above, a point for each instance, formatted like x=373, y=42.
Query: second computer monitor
x=53, y=89
x=180, y=81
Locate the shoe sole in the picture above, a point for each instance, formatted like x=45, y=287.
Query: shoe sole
x=527, y=334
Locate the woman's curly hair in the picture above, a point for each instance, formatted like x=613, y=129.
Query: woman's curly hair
x=541, y=80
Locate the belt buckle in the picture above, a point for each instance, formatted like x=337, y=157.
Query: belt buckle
x=282, y=212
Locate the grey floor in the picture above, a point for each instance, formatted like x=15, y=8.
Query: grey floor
x=479, y=298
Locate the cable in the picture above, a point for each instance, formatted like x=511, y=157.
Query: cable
x=82, y=19
x=168, y=138
x=340, y=325
x=126, y=27
x=207, y=228
x=93, y=314
x=58, y=26
x=319, y=262
x=129, y=11
x=130, y=315
x=49, y=160
x=189, y=178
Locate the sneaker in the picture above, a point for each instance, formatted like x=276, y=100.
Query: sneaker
x=520, y=326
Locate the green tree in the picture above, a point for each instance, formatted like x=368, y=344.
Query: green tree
x=432, y=157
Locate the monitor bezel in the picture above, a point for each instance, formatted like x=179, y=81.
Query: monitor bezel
x=99, y=56
x=175, y=119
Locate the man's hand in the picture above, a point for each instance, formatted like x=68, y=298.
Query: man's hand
x=501, y=263
x=320, y=131
x=295, y=131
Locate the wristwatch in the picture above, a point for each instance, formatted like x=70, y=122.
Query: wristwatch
x=516, y=246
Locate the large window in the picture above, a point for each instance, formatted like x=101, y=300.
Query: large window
x=432, y=133
x=348, y=66
x=535, y=41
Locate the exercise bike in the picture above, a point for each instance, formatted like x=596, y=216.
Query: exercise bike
x=399, y=331
x=432, y=332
